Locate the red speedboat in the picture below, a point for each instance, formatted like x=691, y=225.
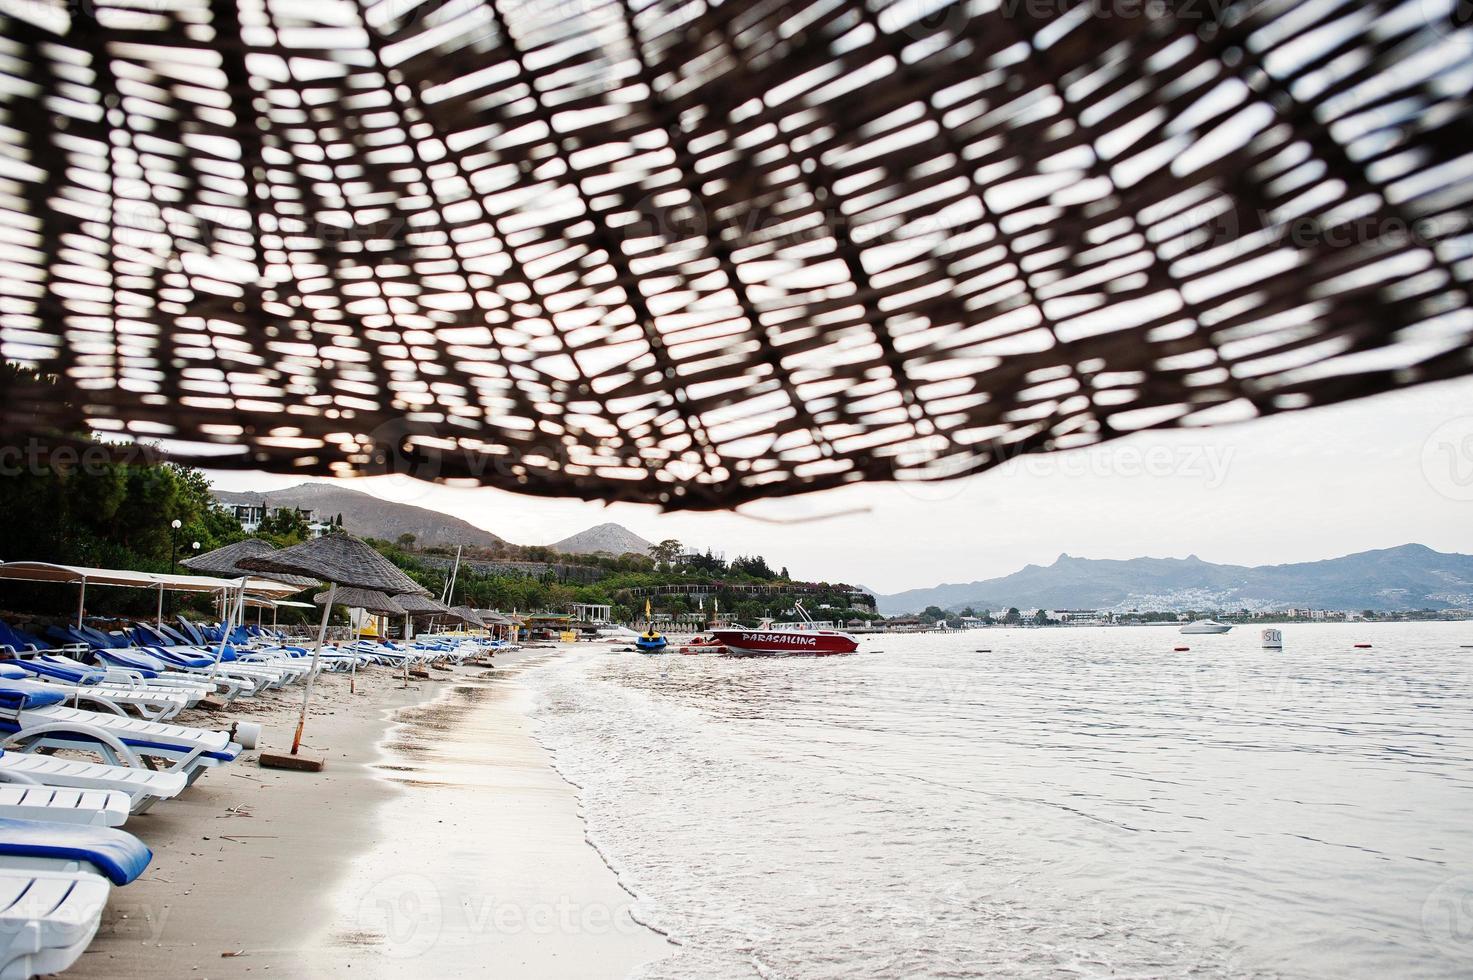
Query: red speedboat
x=786, y=643
x=805, y=639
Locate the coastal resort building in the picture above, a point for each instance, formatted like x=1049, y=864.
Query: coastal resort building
x=591, y=612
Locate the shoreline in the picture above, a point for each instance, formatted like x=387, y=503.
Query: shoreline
x=397, y=858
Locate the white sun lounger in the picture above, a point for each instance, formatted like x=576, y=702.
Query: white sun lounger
x=143, y=787
x=88, y=807
x=114, y=676
x=31, y=720
x=151, y=705
x=120, y=741
x=47, y=919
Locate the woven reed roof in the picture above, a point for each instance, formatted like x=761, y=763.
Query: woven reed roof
x=468, y=615
x=339, y=558
x=223, y=561
x=422, y=605
x=700, y=253
x=365, y=599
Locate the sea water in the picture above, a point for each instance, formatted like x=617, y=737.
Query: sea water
x=1037, y=802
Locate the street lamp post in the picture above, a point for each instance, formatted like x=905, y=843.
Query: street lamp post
x=176, y=524
x=174, y=527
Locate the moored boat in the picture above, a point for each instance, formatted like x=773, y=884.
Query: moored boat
x=702, y=644
x=802, y=639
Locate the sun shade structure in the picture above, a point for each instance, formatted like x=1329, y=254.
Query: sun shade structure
x=40, y=571
x=223, y=561
x=365, y=599
x=468, y=616
x=423, y=605
x=83, y=576
x=338, y=558
x=696, y=254
x=342, y=561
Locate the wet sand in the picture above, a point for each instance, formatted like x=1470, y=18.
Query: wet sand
x=438, y=842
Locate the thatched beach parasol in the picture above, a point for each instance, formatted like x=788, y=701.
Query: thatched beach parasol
x=225, y=562
x=367, y=599
x=469, y=616
x=422, y=605
x=340, y=560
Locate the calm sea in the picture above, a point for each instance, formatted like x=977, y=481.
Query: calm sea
x=1038, y=803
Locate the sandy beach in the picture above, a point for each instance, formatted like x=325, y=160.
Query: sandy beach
x=439, y=841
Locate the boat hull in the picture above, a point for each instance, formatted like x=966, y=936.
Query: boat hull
x=1205, y=630
x=786, y=643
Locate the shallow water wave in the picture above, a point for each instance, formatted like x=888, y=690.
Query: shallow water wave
x=1081, y=802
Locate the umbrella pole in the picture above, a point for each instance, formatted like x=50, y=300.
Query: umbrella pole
x=225, y=633
x=332, y=588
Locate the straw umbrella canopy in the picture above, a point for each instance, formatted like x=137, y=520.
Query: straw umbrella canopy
x=368, y=599
x=340, y=560
x=423, y=605
x=225, y=562
x=469, y=615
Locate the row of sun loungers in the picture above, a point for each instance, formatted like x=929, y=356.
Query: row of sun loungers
x=115, y=695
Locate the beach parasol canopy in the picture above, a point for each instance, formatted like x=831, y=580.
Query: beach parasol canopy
x=366, y=599
x=343, y=561
x=468, y=615
x=423, y=605
x=338, y=558
x=224, y=562
x=797, y=245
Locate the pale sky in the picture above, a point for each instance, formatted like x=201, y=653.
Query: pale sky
x=1371, y=474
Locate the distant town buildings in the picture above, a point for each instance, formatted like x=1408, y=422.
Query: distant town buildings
x=255, y=507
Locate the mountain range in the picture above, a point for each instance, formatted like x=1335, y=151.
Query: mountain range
x=367, y=516
x=1411, y=576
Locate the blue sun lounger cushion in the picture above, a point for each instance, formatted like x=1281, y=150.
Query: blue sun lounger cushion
x=118, y=855
x=137, y=660
x=178, y=659
x=46, y=667
x=14, y=699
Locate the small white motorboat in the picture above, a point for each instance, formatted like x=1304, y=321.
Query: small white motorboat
x=1206, y=626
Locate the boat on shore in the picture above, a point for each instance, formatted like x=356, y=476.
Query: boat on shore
x=802, y=639
x=701, y=644
x=1200, y=626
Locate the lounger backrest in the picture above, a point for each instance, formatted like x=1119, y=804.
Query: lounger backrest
x=117, y=854
x=14, y=699
x=172, y=637
x=191, y=631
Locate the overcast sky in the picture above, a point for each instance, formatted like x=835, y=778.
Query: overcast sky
x=1371, y=474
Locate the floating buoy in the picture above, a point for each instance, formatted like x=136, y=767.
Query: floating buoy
x=1362, y=646
x=1273, y=640
x=1181, y=649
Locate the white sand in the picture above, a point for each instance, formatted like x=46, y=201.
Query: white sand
x=455, y=851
